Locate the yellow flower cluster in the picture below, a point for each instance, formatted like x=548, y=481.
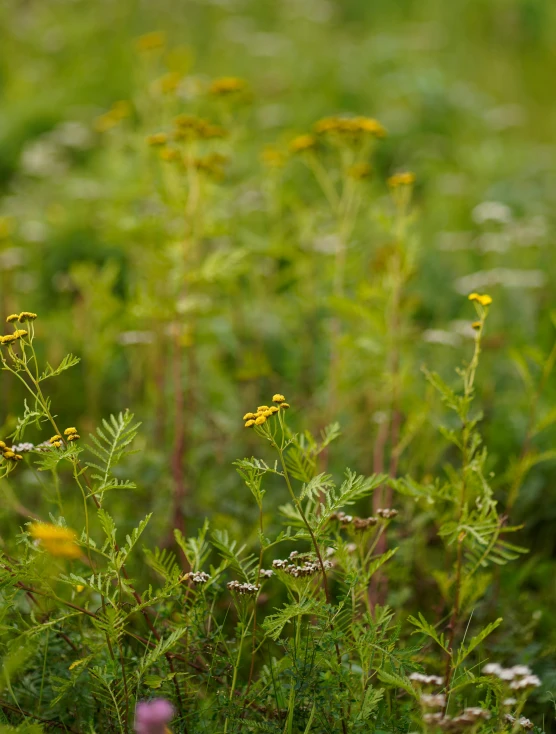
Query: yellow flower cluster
x=303, y=143
x=71, y=434
x=119, y=111
x=56, y=540
x=484, y=299
x=8, y=454
x=351, y=127
x=264, y=411
x=227, y=85
x=405, y=178
x=190, y=127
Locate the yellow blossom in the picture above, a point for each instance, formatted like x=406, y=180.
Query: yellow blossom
x=73, y=437
x=476, y=325
x=54, y=438
x=18, y=333
x=303, y=143
x=405, y=178
x=260, y=420
x=157, y=139
x=2, y=445
x=249, y=423
x=56, y=444
x=247, y=416
x=27, y=316
x=227, y=85
x=8, y=339
x=70, y=430
x=79, y=588
x=484, y=299
x=56, y=540
x=151, y=41
x=285, y=406
x=273, y=409
x=9, y=454
x=278, y=398
x=261, y=408
x=12, y=317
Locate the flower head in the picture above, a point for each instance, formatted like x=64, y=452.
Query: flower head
x=8, y=339
x=484, y=299
x=20, y=333
x=56, y=540
x=26, y=316
x=12, y=317
x=302, y=143
x=249, y=423
x=405, y=178
x=260, y=420
x=278, y=398
x=151, y=717
x=70, y=430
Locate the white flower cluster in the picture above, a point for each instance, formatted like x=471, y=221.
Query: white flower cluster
x=523, y=722
x=469, y=717
x=303, y=565
x=20, y=448
x=386, y=514
x=520, y=677
x=244, y=589
x=197, y=577
x=359, y=523
x=434, y=680
x=266, y=573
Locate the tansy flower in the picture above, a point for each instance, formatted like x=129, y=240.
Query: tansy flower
x=248, y=416
x=273, y=409
x=2, y=445
x=26, y=316
x=476, y=325
x=9, y=339
x=12, y=317
x=227, y=85
x=18, y=333
x=249, y=423
x=285, y=406
x=260, y=420
x=261, y=408
x=157, y=139
x=484, y=299
x=302, y=143
x=56, y=540
x=70, y=430
x=277, y=398
x=55, y=438
x=9, y=454
x=405, y=178
x=73, y=437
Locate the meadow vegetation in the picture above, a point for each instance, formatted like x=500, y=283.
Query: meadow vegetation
x=277, y=428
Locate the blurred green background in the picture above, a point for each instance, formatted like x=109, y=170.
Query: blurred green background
x=189, y=341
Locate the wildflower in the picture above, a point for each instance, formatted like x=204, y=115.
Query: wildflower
x=285, y=405
x=9, y=454
x=79, y=588
x=243, y=589
x=401, y=179
x=427, y=679
x=56, y=540
x=266, y=573
x=476, y=325
x=12, y=317
x=526, y=723
x=151, y=41
x=509, y=702
x=151, y=717
x=272, y=157
x=302, y=143
x=55, y=438
x=352, y=128
x=387, y=514
x=157, y=139
x=529, y=681
x=8, y=339
x=2, y=445
x=249, y=423
x=261, y=408
x=20, y=333
x=273, y=409
x=227, y=85
x=69, y=431
x=26, y=316
x=248, y=416
x=484, y=299
x=73, y=437
x=57, y=444
x=359, y=171
x=492, y=669
x=260, y=420
x=278, y=398
x=197, y=577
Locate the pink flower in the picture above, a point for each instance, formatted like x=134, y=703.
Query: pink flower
x=151, y=717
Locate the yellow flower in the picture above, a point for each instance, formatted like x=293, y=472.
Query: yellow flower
x=73, y=437
x=9, y=454
x=27, y=316
x=285, y=406
x=405, y=178
x=18, y=333
x=261, y=408
x=273, y=409
x=8, y=339
x=12, y=317
x=302, y=143
x=277, y=398
x=18, y=457
x=247, y=416
x=56, y=540
x=227, y=85
x=476, y=325
x=484, y=299
x=151, y=41
x=260, y=420
x=70, y=430
x=249, y=423
x=57, y=437
x=56, y=444
x=79, y=588
x=157, y=139
x=2, y=445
